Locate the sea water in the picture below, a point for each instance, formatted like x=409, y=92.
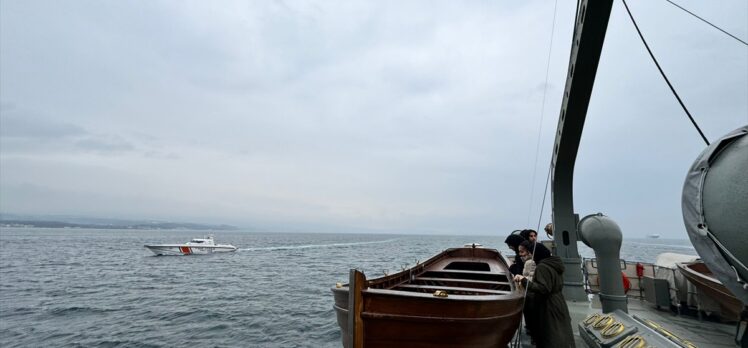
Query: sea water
x=102, y=288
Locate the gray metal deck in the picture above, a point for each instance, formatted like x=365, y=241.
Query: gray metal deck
x=700, y=333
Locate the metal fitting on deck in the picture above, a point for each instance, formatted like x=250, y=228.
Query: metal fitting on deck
x=603, y=235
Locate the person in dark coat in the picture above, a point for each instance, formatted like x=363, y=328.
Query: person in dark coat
x=539, y=252
x=530, y=235
x=513, y=242
x=551, y=321
x=527, y=251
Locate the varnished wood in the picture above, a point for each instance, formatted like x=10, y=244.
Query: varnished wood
x=482, y=307
x=451, y=288
x=357, y=282
x=486, y=282
x=700, y=276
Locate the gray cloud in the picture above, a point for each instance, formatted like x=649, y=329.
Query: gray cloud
x=16, y=126
x=105, y=145
x=409, y=117
x=23, y=132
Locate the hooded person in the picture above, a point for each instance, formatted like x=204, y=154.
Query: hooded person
x=540, y=252
x=549, y=320
x=513, y=241
x=527, y=251
x=530, y=235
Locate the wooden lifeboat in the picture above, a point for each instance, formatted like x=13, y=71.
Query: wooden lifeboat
x=700, y=276
x=462, y=297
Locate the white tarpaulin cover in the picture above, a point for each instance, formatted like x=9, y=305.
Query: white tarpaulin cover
x=666, y=270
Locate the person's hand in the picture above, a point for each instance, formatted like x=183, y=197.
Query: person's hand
x=518, y=278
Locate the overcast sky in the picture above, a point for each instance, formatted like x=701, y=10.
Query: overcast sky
x=376, y=116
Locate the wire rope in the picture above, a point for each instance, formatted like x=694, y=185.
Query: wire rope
x=672, y=89
x=542, y=113
x=545, y=193
x=518, y=337
x=708, y=22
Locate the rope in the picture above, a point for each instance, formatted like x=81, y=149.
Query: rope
x=663, y=74
x=518, y=337
x=707, y=22
x=545, y=193
x=542, y=113
x=517, y=340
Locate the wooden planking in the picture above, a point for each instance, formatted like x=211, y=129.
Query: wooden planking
x=472, y=275
x=357, y=282
x=459, y=271
x=414, y=318
x=471, y=281
x=451, y=288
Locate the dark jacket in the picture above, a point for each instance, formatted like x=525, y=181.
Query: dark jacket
x=514, y=241
x=540, y=253
x=553, y=323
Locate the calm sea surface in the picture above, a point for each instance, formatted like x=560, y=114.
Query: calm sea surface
x=101, y=288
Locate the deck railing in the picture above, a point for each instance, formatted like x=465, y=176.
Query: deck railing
x=629, y=269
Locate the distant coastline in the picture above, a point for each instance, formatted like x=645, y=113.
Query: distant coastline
x=115, y=226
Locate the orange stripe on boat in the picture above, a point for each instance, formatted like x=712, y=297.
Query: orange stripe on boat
x=185, y=250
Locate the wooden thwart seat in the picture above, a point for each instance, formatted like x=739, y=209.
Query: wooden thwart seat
x=467, y=275
x=459, y=271
x=449, y=289
x=459, y=280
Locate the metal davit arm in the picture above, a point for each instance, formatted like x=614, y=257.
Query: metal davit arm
x=589, y=35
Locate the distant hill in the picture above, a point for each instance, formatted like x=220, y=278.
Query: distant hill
x=98, y=223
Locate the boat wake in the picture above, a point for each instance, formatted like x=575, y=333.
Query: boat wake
x=690, y=247
x=311, y=246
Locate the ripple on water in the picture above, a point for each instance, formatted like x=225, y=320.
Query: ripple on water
x=275, y=292
x=76, y=310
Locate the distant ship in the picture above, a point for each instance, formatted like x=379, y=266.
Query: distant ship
x=196, y=246
x=653, y=236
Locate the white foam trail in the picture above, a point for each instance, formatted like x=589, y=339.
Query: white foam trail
x=310, y=246
x=663, y=245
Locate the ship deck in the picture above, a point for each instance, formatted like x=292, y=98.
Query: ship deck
x=702, y=333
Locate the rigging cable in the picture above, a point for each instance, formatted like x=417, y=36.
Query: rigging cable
x=550, y=166
x=707, y=22
x=542, y=112
x=545, y=193
x=663, y=74
x=517, y=342
x=518, y=339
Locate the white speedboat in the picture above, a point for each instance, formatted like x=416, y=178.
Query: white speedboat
x=196, y=246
